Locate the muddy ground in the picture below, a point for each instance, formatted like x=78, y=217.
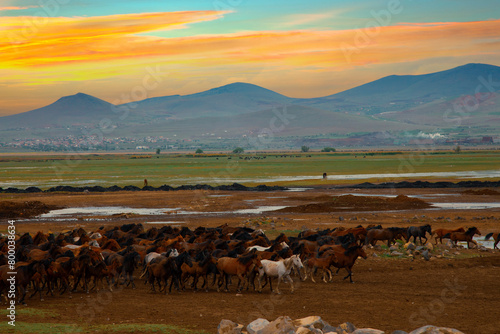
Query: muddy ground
x=459, y=290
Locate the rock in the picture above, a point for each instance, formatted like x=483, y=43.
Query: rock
x=282, y=325
x=429, y=246
x=329, y=329
x=435, y=330
x=346, y=328
x=420, y=248
x=397, y=254
x=257, y=325
x=307, y=330
x=393, y=248
x=310, y=322
x=409, y=246
x=426, y=255
x=450, y=243
x=399, y=332
x=229, y=327
x=367, y=331
x=341, y=218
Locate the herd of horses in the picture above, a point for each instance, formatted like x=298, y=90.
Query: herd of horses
x=170, y=257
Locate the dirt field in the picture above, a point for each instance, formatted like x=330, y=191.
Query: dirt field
x=459, y=290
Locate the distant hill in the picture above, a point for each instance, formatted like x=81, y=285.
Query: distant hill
x=233, y=99
x=400, y=92
x=67, y=111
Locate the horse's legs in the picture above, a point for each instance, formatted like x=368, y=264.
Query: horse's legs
x=278, y=285
x=312, y=274
x=329, y=274
x=289, y=279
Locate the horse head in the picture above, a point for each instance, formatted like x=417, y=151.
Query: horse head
x=297, y=262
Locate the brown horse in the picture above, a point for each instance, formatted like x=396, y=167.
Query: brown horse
x=347, y=259
x=496, y=238
x=197, y=269
x=441, y=232
x=240, y=267
x=390, y=234
x=464, y=236
x=323, y=263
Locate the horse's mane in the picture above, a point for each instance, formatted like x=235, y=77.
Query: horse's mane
x=471, y=230
x=245, y=259
x=351, y=250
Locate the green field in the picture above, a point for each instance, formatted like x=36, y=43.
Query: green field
x=289, y=169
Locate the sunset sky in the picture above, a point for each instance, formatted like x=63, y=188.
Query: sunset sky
x=131, y=49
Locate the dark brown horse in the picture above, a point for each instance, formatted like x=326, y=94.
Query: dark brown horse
x=390, y=234
x=464, y=236
x=347, y=259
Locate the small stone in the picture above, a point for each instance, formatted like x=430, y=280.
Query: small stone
x=435, y=330
x=399, y=332
x=426, y=255
x=229, y=327
x=341, y=218
x=393, y=248
x=367, y=331
x=397, y=254
x=429, y=246
x=346, y=327
x=312, y=321
x=409, y=246
x=256, y=325
x=282, y=325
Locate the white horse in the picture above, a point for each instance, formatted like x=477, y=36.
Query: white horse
x=281, y=269
x=266, y=249
x=153, y=255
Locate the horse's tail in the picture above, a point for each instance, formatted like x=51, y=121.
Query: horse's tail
x=488, y=236
x=144, y=272
x=447, y=236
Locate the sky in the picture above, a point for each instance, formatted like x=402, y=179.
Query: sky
x=129, y=50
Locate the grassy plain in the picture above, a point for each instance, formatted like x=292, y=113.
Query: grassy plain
x=45, y=171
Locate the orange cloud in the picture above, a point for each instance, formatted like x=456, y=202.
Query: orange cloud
x=72, y=41
x=14, y=8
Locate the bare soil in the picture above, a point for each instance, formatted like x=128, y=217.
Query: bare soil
x=389, y=293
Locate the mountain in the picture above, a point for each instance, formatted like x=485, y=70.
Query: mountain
x=400, y=92
x=393, y=103
x=233, y=99
x=67, y=111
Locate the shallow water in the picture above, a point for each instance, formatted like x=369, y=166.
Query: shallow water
x=466, y=206
x=105, y=211
x=175, y=181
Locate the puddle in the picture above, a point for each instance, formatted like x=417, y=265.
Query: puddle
x=298, y=189
x=105, y=211
x=466, y=206
x=261, y=209
x=480, y=242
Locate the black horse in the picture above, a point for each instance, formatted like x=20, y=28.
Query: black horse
x=419, y=231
